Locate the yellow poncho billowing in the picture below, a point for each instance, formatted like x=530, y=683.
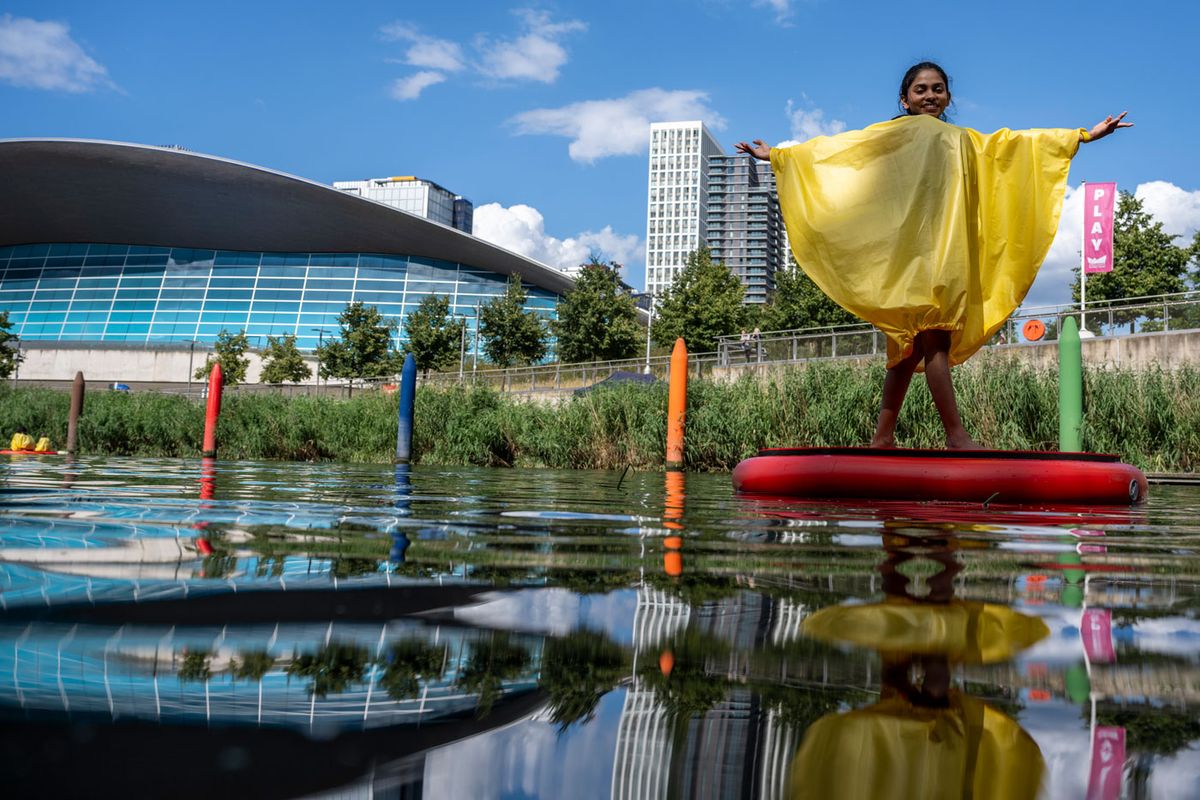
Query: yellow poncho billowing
x=915, y=224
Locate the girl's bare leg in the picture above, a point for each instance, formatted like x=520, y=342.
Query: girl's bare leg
x=895, y=387
x=936, y=346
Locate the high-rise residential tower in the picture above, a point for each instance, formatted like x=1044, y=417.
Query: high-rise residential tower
x=745, y=228
x=417, y=196
x=678, y=198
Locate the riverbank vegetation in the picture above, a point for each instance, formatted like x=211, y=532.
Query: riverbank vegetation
x=1150, y=418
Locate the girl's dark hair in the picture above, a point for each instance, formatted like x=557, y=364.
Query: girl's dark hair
x=911, y=75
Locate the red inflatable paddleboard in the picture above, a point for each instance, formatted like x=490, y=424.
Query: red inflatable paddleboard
x=973, y=476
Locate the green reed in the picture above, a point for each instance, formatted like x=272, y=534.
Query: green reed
x=1150, y=418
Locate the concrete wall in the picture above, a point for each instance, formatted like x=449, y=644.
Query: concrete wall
x=1140, y=351
x=118, y=365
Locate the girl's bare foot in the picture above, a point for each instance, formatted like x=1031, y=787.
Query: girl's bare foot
x=883, y=443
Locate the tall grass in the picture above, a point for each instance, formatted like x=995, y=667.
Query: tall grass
x=1150, y=418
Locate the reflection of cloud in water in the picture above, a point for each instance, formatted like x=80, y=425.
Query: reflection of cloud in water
x=1176, y=776
x=531, y=759
x=1062, y=736
x=556, y=612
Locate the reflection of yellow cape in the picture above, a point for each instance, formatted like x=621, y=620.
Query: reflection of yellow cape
x=915, y=224
x=962, y=631
x=894, y=749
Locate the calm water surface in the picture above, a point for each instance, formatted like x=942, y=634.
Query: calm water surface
x=177, y=628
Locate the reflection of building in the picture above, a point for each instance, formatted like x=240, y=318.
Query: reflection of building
x=416, y=196
x=153, y=245
x=153, y=672
x=738, y=748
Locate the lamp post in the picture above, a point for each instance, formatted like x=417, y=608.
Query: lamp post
x=320, y=343
x=650, y=321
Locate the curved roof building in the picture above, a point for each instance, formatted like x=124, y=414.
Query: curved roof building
x=115, y=242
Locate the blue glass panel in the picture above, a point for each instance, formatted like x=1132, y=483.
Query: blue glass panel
x=182, y=294
x=326, y=283
x=156, y=260
x=430, y=270
x=235, y=272
x=108, y=250
x=10, y=296
x=180, y=283
x=276, y=294
x=181, y=256
x=379, y=286
x=141, y=249
x=328, y=297
x=229, y=294
x=64, y=261
x=150, y=295
x=21, y=284
x=279, y=283
x=104, y=261
x=334, y=259
x=95, y=283
x=26, y=250
x=223, y=282
x=232, y=257
x=285, y=259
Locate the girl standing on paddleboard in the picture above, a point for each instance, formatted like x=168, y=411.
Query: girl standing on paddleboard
x=931, y=232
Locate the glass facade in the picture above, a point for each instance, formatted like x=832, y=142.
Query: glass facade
x=745, y=227
x=137, y=293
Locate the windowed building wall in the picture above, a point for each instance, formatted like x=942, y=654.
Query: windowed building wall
x=676, y=221
x=135, y=293
x=745, y=227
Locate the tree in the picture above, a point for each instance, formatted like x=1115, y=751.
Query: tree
x=596, y=320
x=434, y=337
x=704, y=302
x=1146, y=261
x=283, y=362
x=364, y=347
x=10, y=343
x=512, y=335
x=798, y=303
x=230, y=350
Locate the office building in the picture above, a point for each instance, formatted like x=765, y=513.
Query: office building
x=677, y=199
x=745, y=228
x=416, y=196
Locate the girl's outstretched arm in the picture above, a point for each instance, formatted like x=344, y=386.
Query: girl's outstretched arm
x=1107, y=126
x=760, y=149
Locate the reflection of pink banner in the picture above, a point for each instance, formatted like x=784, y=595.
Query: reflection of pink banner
x=1108, y=760
x=1098, y=226
x=1097, y=636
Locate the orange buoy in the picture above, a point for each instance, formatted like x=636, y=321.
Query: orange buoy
x=1034, y=330
x=673, y=542
x=212, y=410
x=673, y=563
x=666, y=662
x=677, y=405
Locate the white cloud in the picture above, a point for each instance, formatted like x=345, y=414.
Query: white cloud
x=809, y=123
x=782, y=8
x=1177, y=209
x=410, y=88
x=536, y=55
x=616, y=127
x=522, y=229
x=426, y=51
x=42, y=55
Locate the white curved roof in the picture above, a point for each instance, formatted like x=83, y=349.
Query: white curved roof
x=82, y=190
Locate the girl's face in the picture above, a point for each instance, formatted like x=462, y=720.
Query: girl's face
x=928, y=94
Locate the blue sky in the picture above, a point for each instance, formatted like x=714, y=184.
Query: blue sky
x=538, y=112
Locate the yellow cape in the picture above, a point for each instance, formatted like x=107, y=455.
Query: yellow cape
x=915, y=224
x=893, y=749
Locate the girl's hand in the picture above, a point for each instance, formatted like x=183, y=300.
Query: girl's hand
x=1110, y=124
x=759, y=149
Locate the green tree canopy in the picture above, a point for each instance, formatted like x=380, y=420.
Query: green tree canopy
x=511, y=335
x=1146, y=261
x=364, y=348
x=230, y=351
x=704, y=302
x=10, y=355
x=596, y=320
x=434, y=336
x=282, y=361
x=798, y=303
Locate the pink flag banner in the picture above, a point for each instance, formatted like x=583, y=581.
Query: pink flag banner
x=1099, y=201
x=1097, y=636
x=1108, y=763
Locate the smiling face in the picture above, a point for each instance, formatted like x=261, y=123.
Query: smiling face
x=927, y=94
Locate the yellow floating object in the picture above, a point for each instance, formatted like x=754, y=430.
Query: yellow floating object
x=895, y=749
x=962, y=631
x=915, y=224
